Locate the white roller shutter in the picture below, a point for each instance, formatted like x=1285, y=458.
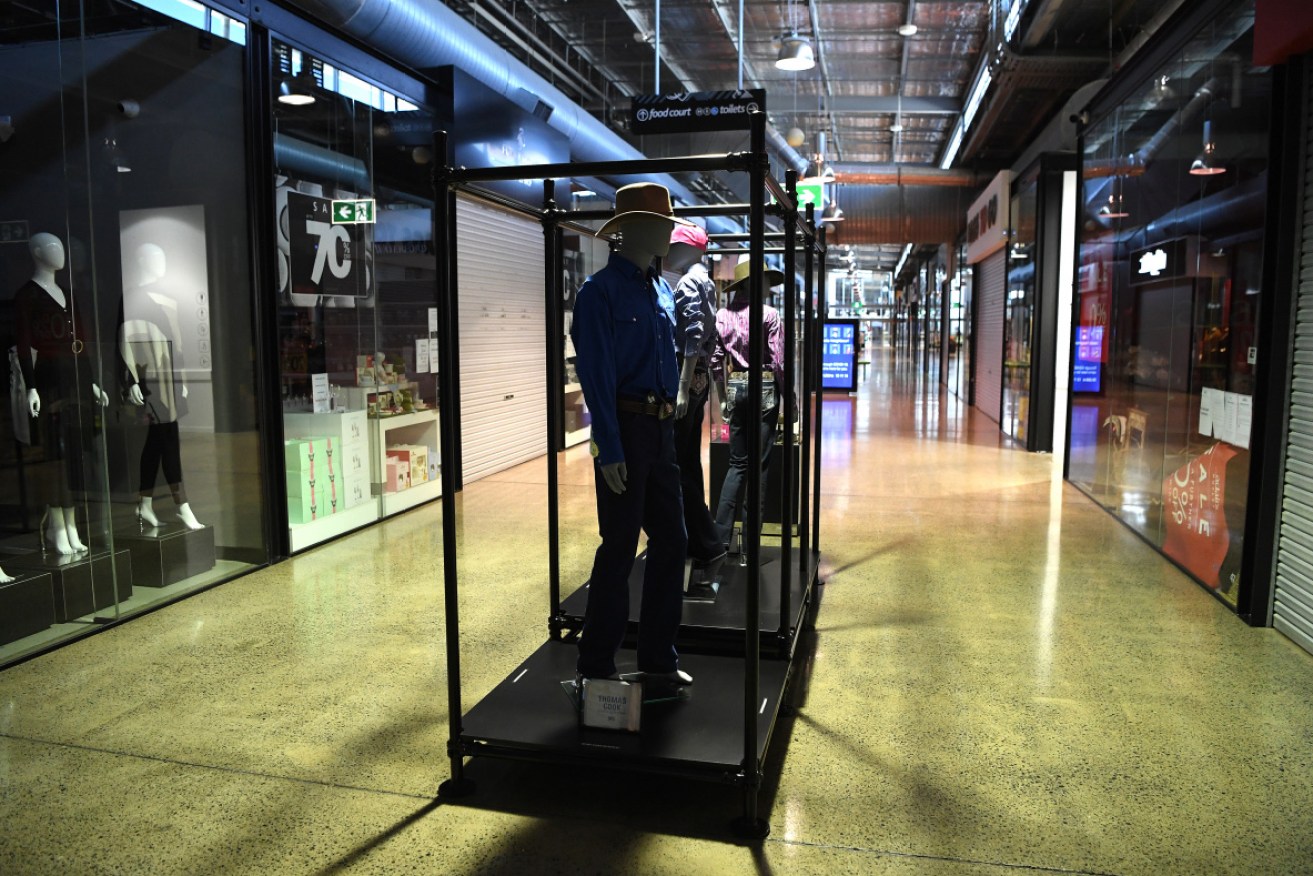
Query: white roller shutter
x=989, y=348
x=503, y=358
x=1292, y=610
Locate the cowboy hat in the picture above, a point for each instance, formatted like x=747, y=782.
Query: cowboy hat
x=641, y=201
x=743, y=270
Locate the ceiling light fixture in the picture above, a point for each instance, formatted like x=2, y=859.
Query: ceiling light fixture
x=795, y=53
x=1206, y=163
x=832, y=213
x=907, y=30
x=298, y=90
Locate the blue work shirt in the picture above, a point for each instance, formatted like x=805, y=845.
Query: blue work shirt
x=624, y=338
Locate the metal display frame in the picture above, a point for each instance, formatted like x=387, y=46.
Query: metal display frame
x=692, y=740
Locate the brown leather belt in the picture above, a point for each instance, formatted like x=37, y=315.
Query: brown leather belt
x=659, y=409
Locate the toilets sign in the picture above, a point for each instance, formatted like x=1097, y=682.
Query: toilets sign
x=689, y=111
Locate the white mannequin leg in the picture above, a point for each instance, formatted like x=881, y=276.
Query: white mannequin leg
x=52, y=531
x=5, y=579
x=71, y=529
x=189, y=519
x=145, y=513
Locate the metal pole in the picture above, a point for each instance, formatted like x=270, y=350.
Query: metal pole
x=555, y=386
x=820, y=404
x=656, y=49
x=443, y=218
x=752, y=513
x=740, y=45
x=808, y=394
x=787, y=405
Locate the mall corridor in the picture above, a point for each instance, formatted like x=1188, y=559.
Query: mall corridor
x=1002, y=679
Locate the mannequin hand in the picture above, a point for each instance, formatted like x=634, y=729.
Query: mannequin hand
x=724, y=411
x=681, y=401
x=184, y=392
x=34, y=402
x=99, y=395
x=135, y=396
x=615, y=476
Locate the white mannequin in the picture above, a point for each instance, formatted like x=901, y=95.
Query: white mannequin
x=59, y=524
x=5, y=579
x=641, y=241
x=681, y=257
x=152, y=265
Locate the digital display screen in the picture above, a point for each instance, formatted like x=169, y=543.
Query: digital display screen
x=1087, y=371
x=839, y=356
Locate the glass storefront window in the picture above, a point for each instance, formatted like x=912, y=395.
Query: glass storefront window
x=1019, y=308
x=959, y=327
x=1169, y=290
x=357, y=308
x=130, y=462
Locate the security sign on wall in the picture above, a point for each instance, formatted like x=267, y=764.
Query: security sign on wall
x=326, y=258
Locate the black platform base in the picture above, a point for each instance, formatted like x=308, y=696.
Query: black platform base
x=169, y=553
x=720, y=621
x=27, y=605
x=527, y=717
x=83, y=583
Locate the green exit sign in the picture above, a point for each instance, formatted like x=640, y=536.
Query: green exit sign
x=811, y=193
x=353, y=212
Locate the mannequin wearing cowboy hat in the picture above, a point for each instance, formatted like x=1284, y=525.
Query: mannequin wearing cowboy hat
x=730, y=366
x=695, y=342
x=623, y=333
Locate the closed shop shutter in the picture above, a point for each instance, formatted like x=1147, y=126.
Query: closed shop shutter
x=503, y=351
x=989, y=349
x=1292, y=611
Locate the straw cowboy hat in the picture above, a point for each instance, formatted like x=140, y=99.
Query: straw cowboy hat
x=641, y=201
x=743, y=270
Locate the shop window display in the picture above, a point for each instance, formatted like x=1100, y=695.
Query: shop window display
x=357, y=313
x=126, y=473
x=1169, y=291
x=1019, y=308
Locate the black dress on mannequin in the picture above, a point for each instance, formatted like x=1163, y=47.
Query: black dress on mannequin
x=62, y=376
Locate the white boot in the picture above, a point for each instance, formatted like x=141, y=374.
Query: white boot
x=189, y=519
x=52, y=531
x=71, y=529
x=146, y=514
x=5, y=579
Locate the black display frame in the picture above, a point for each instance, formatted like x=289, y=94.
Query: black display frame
x=504, y=740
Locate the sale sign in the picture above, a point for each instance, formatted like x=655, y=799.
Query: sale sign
x=326, y=258
x=1194, y=498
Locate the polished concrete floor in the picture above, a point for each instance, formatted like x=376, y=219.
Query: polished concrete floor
x=1002, y=679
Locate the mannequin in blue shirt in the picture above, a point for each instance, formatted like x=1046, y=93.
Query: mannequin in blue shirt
x=623, y=332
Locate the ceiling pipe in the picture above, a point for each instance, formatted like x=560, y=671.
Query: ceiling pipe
x=1166, y=11
x=905, y=175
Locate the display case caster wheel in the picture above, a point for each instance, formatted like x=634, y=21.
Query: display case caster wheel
x=454, y=789
x=750, y=828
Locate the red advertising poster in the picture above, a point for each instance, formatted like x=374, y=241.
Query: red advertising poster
x=1195, y=495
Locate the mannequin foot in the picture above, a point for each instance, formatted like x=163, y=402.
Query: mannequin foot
x=188, y=519
x=146, y=514
x=678, y=677
x=5, y=579
x=71, y=530
x=55, y=534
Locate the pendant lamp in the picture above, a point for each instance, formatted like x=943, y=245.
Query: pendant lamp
x=298, y=90
x=795, y=53
x=1206, y=162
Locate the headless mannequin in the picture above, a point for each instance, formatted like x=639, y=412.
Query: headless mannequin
x=161, y=447
x=641, y=241
x=59, y=524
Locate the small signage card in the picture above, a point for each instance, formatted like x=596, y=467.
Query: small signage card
x=612, y=704
x=319, y=394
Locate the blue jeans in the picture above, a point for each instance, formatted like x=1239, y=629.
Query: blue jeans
x=741, y=419
x=651, y=502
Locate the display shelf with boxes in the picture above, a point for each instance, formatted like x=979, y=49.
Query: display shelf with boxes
x=406, y=471
x=329, y=469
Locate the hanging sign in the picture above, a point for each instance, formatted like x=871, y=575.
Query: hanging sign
x=692, y=111
x=359, y=212
x=987, y=220
x=1162, y=261
x=326, y=259
x=811, y=192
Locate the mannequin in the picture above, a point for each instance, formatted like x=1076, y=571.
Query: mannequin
x=695, y=342
x=623, y=332
x=148, y=325
x=56, y=366
x=730, y=365
x=5, y=579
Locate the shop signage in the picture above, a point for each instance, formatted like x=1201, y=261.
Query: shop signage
x=987, y=220
x=1086, y=371
x=1162, y=261
x=325, y=258
x=14, y=231
x=354, y=212
x=1198, y=535
x=690, y=111
x=839, y=355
